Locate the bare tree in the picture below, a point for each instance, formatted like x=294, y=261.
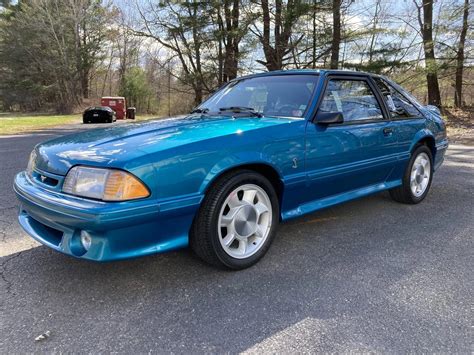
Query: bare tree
x=336, y=33
x=182, y=28
x=89, y=20
x=283, y=17
x=231, y=34
x=426, y=26
x=458, y=102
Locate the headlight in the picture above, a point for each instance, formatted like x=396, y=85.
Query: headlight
x=104, y=184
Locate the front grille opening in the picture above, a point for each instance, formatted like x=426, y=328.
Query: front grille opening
x=51, y=235
x=46, y=180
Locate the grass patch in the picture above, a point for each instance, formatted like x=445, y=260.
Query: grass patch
x=19, y=123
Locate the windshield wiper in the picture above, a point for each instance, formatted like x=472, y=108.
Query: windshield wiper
x=200, y=110
x=241, y=109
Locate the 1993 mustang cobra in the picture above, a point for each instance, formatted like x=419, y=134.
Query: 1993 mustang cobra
x=263, y=149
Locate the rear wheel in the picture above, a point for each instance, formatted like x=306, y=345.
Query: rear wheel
x=417, y=178
x=237, y=221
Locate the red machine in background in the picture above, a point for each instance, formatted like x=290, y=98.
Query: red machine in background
x=116, y=103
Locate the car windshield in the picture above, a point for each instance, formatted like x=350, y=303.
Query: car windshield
x=276, y=95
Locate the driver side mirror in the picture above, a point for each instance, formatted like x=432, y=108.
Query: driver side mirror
x=326, y=118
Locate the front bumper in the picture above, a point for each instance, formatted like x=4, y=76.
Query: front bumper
x=119, y=230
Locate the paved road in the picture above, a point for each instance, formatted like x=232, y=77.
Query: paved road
x=370, y=275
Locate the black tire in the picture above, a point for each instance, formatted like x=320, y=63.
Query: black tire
x=204, y=236
x=404, y=193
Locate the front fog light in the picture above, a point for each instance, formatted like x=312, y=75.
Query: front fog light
x=86, y=240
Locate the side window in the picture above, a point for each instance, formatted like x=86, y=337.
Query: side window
x=353, y=98
x=398, y=105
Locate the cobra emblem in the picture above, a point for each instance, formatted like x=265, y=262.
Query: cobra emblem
x=295, y=163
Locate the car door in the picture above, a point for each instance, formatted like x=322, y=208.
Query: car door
x=357, y=153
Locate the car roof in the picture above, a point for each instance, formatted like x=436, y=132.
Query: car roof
x=308, y=71
x=99, y=108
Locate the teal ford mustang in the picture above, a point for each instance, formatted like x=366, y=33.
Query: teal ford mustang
x=263, y=149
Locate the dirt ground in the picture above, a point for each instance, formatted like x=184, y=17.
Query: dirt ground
x=460, y=125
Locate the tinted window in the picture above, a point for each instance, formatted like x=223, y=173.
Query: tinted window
x=398, y=105
x=279, y=95
x=354, y=98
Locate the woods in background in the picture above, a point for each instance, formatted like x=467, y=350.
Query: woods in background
x=166, y=56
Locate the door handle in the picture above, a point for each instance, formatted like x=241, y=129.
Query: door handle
x=387, y=131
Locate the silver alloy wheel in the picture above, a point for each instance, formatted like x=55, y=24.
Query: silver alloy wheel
x=245, y=220
x=420, y=174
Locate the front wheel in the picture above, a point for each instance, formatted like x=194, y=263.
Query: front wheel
x=237, y=221
x=417, y=178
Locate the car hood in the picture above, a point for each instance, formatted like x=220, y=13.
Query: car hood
x=113, y=146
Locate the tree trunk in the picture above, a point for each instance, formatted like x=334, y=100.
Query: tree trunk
x=313, y=60
x=278, y=49
x=336, y=33
x=458, y=102
x=374, y=32
x=267, y=49
x=228, y=39
x=220, y=43
x=199, y=86
x=220, y=65
x=198, y=93
x=234, y=62
x=85, y=84
x=285, y=14
x=434, y=97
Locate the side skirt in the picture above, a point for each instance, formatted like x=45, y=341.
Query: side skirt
x=337, y=199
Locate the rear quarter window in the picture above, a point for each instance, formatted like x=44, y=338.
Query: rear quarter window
x=397, y=100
